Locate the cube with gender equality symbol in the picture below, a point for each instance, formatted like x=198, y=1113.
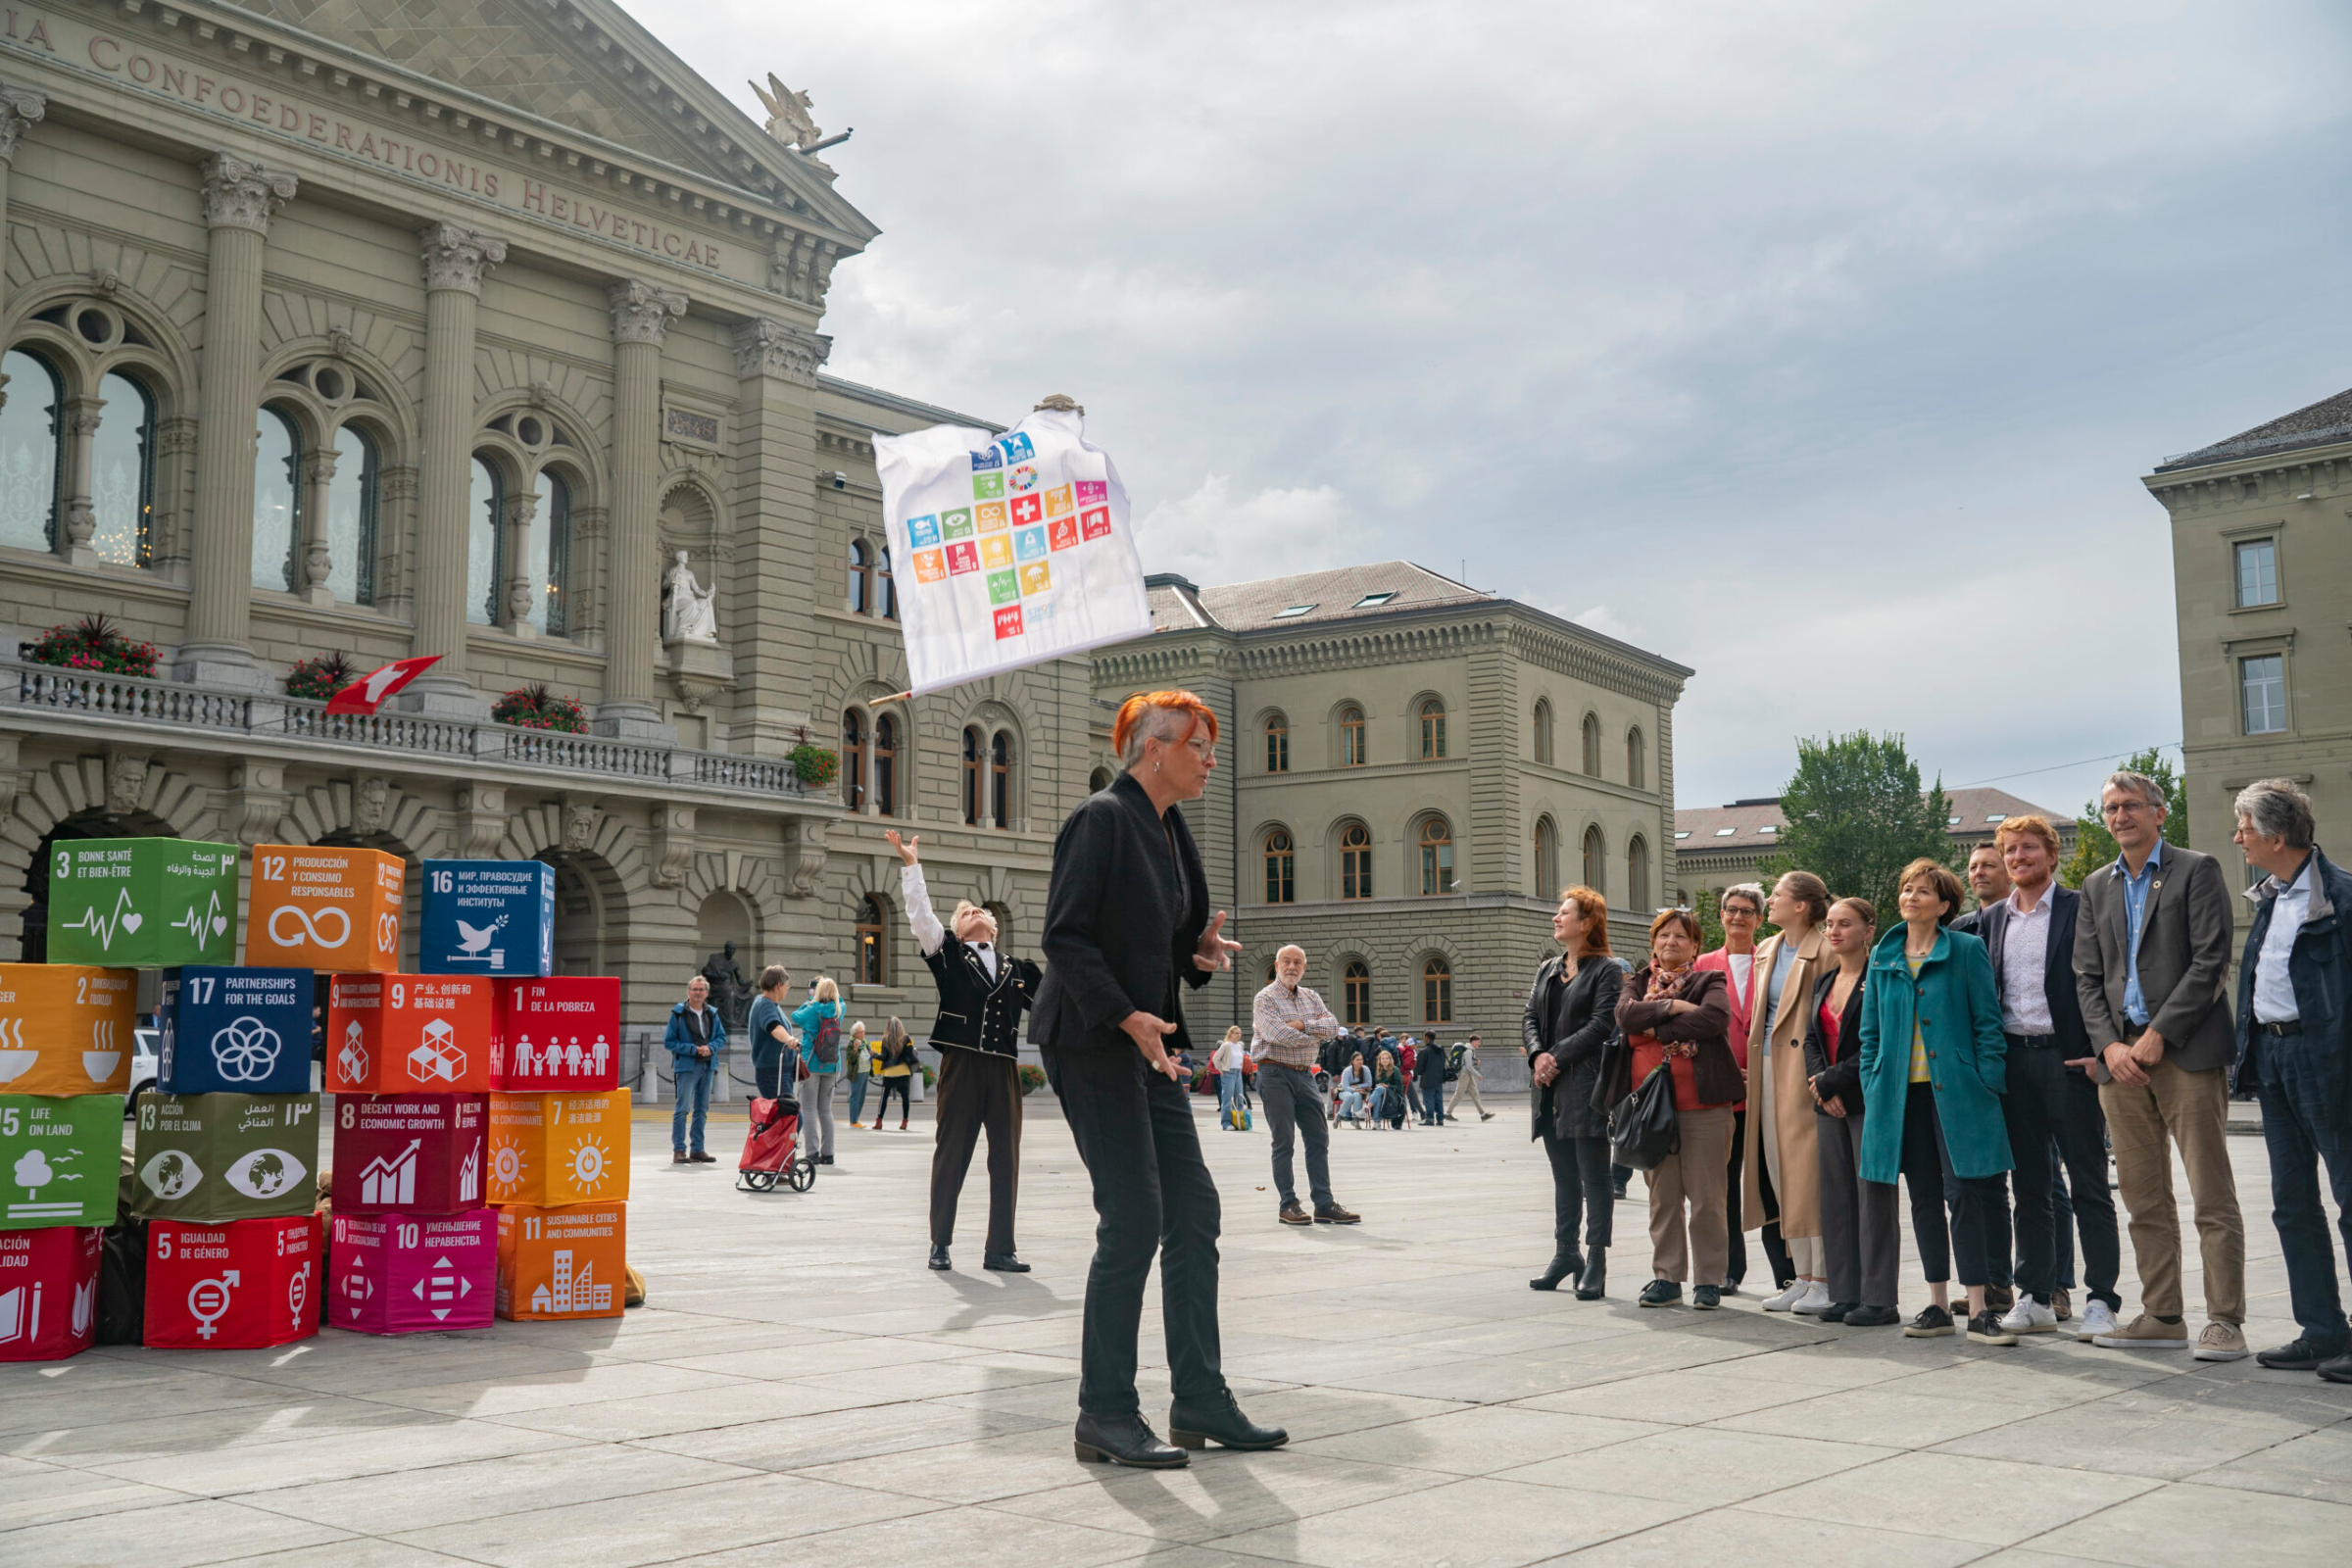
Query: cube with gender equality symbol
x=66, y=1028
x=494, y=918
x=243, y=1284
x=417, y=1153
x=413, y=1273
x=60, y=1160
x=556, y=1034
x=389, y=1034
x=142, y=903
x=235, y=1030
x=551, y=1149
x=49, y=1292
x=212, y=1159
x=564, y=1263
x=325, y=907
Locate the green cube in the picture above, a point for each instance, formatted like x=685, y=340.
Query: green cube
x=59, y=1157
x=211, y=1158
x=142, y=903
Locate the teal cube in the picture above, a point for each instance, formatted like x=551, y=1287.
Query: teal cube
x=142, y=903
x=61, y=1158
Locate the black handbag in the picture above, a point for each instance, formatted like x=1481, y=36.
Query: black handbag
x=1643, y=1131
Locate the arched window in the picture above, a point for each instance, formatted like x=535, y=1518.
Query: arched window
x=1001, y=912
x=1433, y=730
x=1437, y=990
x=1000, y=779
x=28, y=452
x=1436, y=857
x=1544, y=732
x=1355, y=861
x=551, y=553
x=351, y=518
x=861, y=578
x=886, y=765
x=1281, y=862
x=1351, y=737
x=276, y=501
x=1098, y=781
x=1637, y=760
x=122, y=472
x=1548, y=858
x=1596, y=862
x=1592, y=748
x=873, y=959
x=887, y=586
x=972, y=770
x=1636, y=874
x=1356, y=993
x=853, y=759
x=1278, y=743
x=485, y=545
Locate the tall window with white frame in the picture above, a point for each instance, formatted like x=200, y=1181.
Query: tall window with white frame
x=28, y=452
x=1278, y=743
x=276, y=500
x=1437, y=990
x=1356, y=993
x=2257, y=572
x=1433, y=729
x=1351, y=737
x=1436, y=857
x=122, y=472
x=2262, y=689
x=1281, y=862
x=1355, y=861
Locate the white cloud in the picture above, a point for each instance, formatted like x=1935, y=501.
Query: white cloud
x=1210, y=537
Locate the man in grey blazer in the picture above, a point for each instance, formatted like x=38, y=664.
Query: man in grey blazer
x=2152, y=941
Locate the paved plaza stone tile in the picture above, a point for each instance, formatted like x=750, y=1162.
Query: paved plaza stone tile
x=802, y=1388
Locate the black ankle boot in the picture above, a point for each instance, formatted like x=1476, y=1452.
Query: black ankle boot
x=1563, y=1265
x=1194, y=1422
x=1126, y=1439
x=1593, y=1283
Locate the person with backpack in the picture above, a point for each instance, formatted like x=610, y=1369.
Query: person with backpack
x=818, y=1019
x=1461, y=1071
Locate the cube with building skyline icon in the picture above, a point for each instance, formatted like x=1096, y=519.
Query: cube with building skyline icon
x=417, y=1154
x=563, y=1262
x=61, y=1158
x=49, y=1292
x=235, y=1030
x=142, y=903
x=224, y=1156
x=556, y=1034
x=239, y=1285
x=559, y=1148
x=67, y=1028
x=493, y=917
x=403, y=1033
x=403, y=1273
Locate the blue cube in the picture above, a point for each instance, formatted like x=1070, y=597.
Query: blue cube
x=494, y=918
x=235, y=1031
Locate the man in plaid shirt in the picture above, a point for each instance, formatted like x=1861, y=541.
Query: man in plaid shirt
x=1289, y=1024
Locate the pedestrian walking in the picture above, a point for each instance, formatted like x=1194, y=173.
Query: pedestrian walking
x=1571, y=1013
x=1465, y=1084
x=1291, y=1023
x=1861, y=1226
x=860, y=1067
x=895, y=1067
x=697, y=1038
x=770, y=1032
x=818, y=1022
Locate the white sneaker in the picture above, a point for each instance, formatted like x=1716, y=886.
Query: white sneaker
x=2096, y=1319
x=1788, y=1299
x=2029, y=1316
x=1815, y=1301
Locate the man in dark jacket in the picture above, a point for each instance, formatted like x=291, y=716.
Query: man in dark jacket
x=697, y=1038
x=2294, y=1047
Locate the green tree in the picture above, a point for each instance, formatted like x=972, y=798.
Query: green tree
x=1709, y=911
x=2094, y=845
x=1857, y=816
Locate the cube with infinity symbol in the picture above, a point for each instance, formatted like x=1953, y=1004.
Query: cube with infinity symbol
x=389, y=1034
x=246, y=1030
x=142, y=903
x=239, y=1286
x=325, y=907
x=66, y=1028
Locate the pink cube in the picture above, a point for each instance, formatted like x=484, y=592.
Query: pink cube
x=414, y=1273
x=49, y=1292
x=557, y=1035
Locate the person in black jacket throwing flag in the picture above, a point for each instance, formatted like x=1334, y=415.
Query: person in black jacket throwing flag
x=982, y=994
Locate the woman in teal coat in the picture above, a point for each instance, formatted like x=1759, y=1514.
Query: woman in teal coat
x=1935, y=1066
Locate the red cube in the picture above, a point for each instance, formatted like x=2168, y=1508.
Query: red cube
x=388, y=1034
x=414, y=1273
x=241, y=1286
x=415, y=1154
x=49, y=1292
x=557, y=1035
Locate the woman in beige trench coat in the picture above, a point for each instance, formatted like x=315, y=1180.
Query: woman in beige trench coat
x=1783, y=1142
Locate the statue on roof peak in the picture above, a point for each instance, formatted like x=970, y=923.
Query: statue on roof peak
x=788, y=115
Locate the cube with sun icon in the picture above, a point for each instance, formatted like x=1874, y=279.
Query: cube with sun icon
x=551, y=1149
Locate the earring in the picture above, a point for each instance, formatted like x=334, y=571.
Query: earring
x=1154, y=768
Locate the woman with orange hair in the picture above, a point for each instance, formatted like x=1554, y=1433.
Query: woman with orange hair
x=1128, y=925
x=1571, y=1012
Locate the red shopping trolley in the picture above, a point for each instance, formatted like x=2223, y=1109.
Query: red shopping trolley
x=772, y=1150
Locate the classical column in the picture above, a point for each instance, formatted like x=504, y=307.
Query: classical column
x=76, y=517
x=20, y=107
x=240, y=198
x=641, y=317
x=775, y=480
x=522, y=592
x=455, y=260
x=316, y=553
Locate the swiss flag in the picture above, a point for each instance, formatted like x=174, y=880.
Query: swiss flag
x=367, y=694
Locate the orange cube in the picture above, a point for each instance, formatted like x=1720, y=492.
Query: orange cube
x=325, y=907
x=561, y=1262
x=552, y=1149
x=392, y=1033
x=65, y=1028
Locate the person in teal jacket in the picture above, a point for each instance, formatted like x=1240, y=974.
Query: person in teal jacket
x=1935, y=1065
x=822, y=1007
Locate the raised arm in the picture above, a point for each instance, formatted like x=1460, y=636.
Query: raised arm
x=915, y=894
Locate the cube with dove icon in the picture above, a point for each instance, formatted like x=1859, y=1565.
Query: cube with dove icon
x=243, y=1284
x=562, y=1033
x=66, y=1028
x=327, y=906
x=60, y=1160
x=400, y=1273
x=211, y=1158
x=235, y=1030
x=142, y=903
x=417, y=1153
x=493, y=917
x=49, y=1292
x=389, y=1034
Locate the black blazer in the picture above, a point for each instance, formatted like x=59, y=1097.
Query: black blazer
x=975, y=1012
x=2057, y=966
x=1570, y=1022
x=1839, y=1080
x=1124, y=916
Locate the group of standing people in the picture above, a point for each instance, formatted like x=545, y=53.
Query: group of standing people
x=1983, y=1061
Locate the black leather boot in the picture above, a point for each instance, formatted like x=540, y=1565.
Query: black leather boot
x=1194, y=1422
x=1593, y=1283
x=1126, y=1439
x=1563, y=1265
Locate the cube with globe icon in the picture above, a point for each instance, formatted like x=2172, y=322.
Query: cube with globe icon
x=49, y=1292
x=328, y=906
x=224, y=1156
x=559, y=1148
x=142, y=903
x=399, y=1273
x=392, y=1033
x=66, y=1028
x=414, y=1154
x=559, y=1032
x=231, y=1030
x=563, y=1262
x=242, y=1285
x=60, y=1160
x=493, y=917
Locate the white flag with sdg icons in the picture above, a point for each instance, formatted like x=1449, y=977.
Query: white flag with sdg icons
x=1008, y=549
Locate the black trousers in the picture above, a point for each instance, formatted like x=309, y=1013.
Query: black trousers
x=976, y=1090
x=902, y=1087
x=1134, y=1131
x=1776, y=1250
x=2045, y=1110
x=1861, y=1228
x=1580, y=1189
x=1926, y=1170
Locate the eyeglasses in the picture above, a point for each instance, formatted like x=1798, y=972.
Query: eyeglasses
x=2124, y=807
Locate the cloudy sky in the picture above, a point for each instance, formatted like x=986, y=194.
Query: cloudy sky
x=1820, y=347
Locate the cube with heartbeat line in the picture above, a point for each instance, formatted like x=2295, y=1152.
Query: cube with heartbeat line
x=67, y=1028
x=415, y=1154
x=143, y=904
x=494, y=918
x=400, y=1273
x=559, y=1148
x=392, y=1033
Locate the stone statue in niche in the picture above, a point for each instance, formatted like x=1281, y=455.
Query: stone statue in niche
x=689, y=610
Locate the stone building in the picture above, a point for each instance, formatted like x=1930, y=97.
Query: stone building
x=2260, y=552
x=1410, y=772
x=459, y=334
x=1718, y=846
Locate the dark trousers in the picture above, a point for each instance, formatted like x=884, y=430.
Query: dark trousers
x=1295, y=1110
x=1433, y=1099
x=1152, y=1194
x=1993, y=1216
x=2080, y=1203
x=1927, y=1169
x=2307, y=1118
x=768, y=1070
x=976, y=1090
x=1776, y=1250
x=1861, y=1228
x=902, y=1087
x=1580, y=1187
x=2031, y=1109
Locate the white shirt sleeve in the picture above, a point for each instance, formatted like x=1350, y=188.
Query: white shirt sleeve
x=920, y=915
